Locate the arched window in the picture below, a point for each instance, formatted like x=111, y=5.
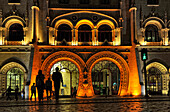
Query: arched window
x=16, y=32
x=84, y=33
x=64, y=32
x=104, y=32
x=151, y=34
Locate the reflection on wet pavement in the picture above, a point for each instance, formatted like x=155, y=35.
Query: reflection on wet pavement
x=94, y=107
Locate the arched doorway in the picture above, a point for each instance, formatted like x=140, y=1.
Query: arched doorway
x=12, y=74
x=157, y=79
x=70, y=75
x=15, y=77
x=154, y=81
x=105, y=78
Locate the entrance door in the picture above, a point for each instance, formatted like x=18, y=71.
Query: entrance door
x=70, y=76
x=154, y=81
x=15, y=77
x=105, y=78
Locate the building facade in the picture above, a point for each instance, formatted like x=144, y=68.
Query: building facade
x=95, y=43
x=153, y=31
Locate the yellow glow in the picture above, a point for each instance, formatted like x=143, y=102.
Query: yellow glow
x=85, y=12
x=107, y=22
x=144, y=43
x=63, y=21
x=35, y=7
x=95, y=43
x=84, y=21
x=136, y=93
x=74, y=43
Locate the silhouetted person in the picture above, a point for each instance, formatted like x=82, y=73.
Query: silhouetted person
x=23, y=93
x=74, y=92
x=16, y=93
x=57, y=78
x=40, y=85
x=33, y=91
x=48, y=85
x=8, y=93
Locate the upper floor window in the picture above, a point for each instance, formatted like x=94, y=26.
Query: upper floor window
x=84, y=33
x=84, y=1
x=104, y=1
x=152, y=2
x=151, y=34
x=63, y=1
x=16, y=32
x=104, y=33
x=64, y=32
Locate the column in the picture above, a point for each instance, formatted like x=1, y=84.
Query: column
x=95, y=36
x=35, y=22
x=134, y=84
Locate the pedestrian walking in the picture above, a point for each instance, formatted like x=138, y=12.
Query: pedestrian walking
x=8, y=93
x=74, y=92
x=16, y=93
x=57, y=78
x=33, y=91
x=23, y=94
x=48, y=86
x=40, y=85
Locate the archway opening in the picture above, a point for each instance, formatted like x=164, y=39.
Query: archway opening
x=16, y=32
x=15, y=77
x=105, y=78
x=84, y=33
x=154, y=81
x=64, y=32
x=104, y=33
x=70, y=74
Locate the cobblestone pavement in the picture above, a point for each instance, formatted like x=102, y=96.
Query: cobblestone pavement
x=158, y=104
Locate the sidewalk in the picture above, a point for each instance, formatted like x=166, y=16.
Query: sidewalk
x=80, y=100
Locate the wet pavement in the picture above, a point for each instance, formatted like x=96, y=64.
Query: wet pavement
x=97, y=104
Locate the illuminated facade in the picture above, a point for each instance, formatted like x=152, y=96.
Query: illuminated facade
x=153, y=31
x=93, y=42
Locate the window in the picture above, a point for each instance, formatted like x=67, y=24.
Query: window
x=104, y=1
x=16, y=32
x=84, y=1
x=151, y=34
x=63, y=1
x=152, y=2
x=84, y=33
x=64, y=32
x=104, y=32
